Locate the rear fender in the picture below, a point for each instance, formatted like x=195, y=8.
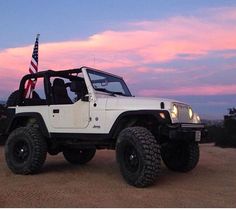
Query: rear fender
x=22, y=119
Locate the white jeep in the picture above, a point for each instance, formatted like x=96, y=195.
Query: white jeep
x=78, y=111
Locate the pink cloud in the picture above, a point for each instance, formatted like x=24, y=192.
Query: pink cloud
x=146, y=42
x=195, y=90
x=144, y=69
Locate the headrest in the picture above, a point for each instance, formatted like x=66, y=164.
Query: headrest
x=58, y=82
x=77, y=86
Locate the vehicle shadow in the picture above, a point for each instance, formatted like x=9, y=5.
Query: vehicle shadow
x=95, y=166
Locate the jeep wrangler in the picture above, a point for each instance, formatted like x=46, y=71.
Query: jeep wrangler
x=78, y=111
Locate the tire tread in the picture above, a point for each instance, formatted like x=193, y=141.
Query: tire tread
x=150, y=152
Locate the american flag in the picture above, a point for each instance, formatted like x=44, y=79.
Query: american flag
x=33, y=68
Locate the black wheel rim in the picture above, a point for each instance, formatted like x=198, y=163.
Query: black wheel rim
x=131, y=158
x=21, y=151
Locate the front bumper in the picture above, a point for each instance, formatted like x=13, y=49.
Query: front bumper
x=186, y=131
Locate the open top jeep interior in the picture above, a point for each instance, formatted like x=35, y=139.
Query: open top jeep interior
x=55, y=88
x=68, y=86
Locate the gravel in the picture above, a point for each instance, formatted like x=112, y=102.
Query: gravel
x=99, y=184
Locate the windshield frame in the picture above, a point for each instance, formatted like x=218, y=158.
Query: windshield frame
x=126, y=90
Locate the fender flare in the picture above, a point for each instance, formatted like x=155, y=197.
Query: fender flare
x=24, y=115
x=115, y=129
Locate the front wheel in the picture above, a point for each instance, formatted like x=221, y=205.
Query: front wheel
x=138, y=156
x=79, y=156
x=180, y=156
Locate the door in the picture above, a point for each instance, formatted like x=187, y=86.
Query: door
x=70, y=116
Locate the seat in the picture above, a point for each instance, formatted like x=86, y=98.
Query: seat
x=60, y=93
x=79, y=88
x=35, y=95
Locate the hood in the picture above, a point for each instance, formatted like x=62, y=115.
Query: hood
x=138, y=103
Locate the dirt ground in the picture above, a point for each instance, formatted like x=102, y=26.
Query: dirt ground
x=99, y=184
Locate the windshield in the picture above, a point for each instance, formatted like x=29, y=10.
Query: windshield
x=108, y=83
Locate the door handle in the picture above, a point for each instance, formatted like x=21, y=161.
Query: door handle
x=56, y=111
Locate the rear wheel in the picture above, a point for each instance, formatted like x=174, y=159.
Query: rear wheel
x=25, y=150
x=138, y=156
x=181, y=156
x=79, y=156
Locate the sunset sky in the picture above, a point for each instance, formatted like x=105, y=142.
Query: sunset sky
x=178, y=49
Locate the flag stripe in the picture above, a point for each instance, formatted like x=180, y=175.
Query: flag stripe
x=33, y=68
x=34, y=61
x=31, y=71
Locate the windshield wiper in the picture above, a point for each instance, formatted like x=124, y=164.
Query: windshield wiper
x=106, y=91
x=119, y=93
x=112, y=93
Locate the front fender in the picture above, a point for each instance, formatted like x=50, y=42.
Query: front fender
x=120, y=122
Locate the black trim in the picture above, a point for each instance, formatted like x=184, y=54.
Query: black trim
x=188, y=126
x=55, y=111
x=119, y=123
x=35, y=115
x=192, y=126
x=81, y=136
x=10, y=114
x=162, y=105
x=83, y=140
x=5, y=120
x=179, y=131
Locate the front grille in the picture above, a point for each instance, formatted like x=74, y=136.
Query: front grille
x=183, y=114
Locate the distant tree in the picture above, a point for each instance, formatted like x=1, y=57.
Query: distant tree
x=232, y=111
x=2, y=110
x=226, y=137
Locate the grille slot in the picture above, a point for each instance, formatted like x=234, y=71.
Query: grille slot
x=183, y=114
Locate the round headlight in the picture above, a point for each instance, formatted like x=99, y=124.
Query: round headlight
x=190, y=113
x=175, y=110
x=198, y=118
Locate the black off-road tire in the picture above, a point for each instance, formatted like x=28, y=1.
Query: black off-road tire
x=181, y=157
x=138, y=156
x=3, y=126
x=2, y=140
x=79, y=156
x=12, y=99
x=25, y=150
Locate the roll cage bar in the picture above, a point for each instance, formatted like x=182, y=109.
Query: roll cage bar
x=68, y=74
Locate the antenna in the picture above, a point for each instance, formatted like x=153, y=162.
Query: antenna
x=94, y=60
